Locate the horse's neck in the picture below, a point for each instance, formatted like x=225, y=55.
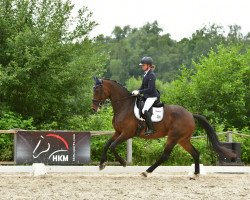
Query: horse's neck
x=120, y=99
x=120, y=102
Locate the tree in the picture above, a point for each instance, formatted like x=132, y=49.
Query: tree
x=201, y=42
x=129, y=45
x=217, y=87
x=46, y=62
x=118, y=71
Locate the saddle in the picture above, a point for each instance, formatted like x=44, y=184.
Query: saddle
x=156, y=111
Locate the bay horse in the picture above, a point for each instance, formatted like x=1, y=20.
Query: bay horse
x=177, y=123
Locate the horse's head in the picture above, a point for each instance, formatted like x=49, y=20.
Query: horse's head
x=100, y=94
x=42, y=147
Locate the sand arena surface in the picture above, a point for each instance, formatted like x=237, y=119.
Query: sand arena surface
x=124, y=186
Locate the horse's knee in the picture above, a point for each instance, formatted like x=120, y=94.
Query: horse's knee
x=112, y=147
x=165, y=156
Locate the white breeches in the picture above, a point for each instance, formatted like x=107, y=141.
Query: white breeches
x=148, y=103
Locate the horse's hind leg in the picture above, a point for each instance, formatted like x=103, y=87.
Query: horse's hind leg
x=104, y=153
x=194, y=153
x=167, y=151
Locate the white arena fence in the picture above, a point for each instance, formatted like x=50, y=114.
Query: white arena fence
x=41, y=169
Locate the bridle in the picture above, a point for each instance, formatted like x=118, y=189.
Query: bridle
x=97, y=101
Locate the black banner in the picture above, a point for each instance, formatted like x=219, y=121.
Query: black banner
x=52, y=147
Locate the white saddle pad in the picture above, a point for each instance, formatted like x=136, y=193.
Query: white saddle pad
x=156, y=117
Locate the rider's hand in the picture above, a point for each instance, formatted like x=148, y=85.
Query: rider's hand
x=135, y=92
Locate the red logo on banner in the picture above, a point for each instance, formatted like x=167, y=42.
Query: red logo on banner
x=52, y=147
x=44, y=146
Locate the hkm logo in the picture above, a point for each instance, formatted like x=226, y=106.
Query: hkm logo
x=44, y=147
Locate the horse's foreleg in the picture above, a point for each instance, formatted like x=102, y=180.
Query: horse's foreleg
x=113, y=146
x=163, y=158
x=104, y=153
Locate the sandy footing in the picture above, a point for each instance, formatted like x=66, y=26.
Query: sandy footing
x=124, y=186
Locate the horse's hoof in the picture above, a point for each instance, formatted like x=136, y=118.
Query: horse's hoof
x=102, y=166
x=194, y=177
x=144, y=174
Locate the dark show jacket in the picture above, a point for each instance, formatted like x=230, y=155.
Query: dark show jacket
x=148, y=85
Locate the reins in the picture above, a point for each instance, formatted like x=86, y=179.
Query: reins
x=114, y=101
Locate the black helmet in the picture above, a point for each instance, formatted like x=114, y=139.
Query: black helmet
x=146, y=60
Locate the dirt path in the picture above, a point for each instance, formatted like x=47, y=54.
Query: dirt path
x=124, y=186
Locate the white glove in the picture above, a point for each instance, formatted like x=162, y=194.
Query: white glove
x=135, y=92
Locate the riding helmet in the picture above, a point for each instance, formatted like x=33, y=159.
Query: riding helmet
x=146, y=60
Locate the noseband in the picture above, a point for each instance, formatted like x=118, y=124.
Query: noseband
x=98, y=101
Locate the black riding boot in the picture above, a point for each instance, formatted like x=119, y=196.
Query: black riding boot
x=149, y=123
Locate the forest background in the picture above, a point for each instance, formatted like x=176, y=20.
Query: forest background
x=48, y=60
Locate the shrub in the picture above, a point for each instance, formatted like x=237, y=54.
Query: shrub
x=10, y=120
x=218, y=87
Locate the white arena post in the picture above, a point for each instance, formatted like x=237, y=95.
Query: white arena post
x=129, y=151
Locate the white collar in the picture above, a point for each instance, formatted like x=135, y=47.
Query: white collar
x=146, y=72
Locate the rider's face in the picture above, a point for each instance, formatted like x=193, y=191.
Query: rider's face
x=145, y=67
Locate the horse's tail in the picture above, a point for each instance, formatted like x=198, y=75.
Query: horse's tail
x=217, y=146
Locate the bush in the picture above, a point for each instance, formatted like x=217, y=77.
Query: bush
x=146, y=152
x=218, y=87
x=10, y=120
x=102, y=120
x=97, y=144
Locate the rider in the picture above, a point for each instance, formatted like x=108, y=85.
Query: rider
x=148, y=90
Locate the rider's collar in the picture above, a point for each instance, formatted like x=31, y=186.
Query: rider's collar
x=145, y=73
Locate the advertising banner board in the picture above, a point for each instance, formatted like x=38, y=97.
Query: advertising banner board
x=52, y=147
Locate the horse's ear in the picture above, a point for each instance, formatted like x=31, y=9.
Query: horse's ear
x=97, y=80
